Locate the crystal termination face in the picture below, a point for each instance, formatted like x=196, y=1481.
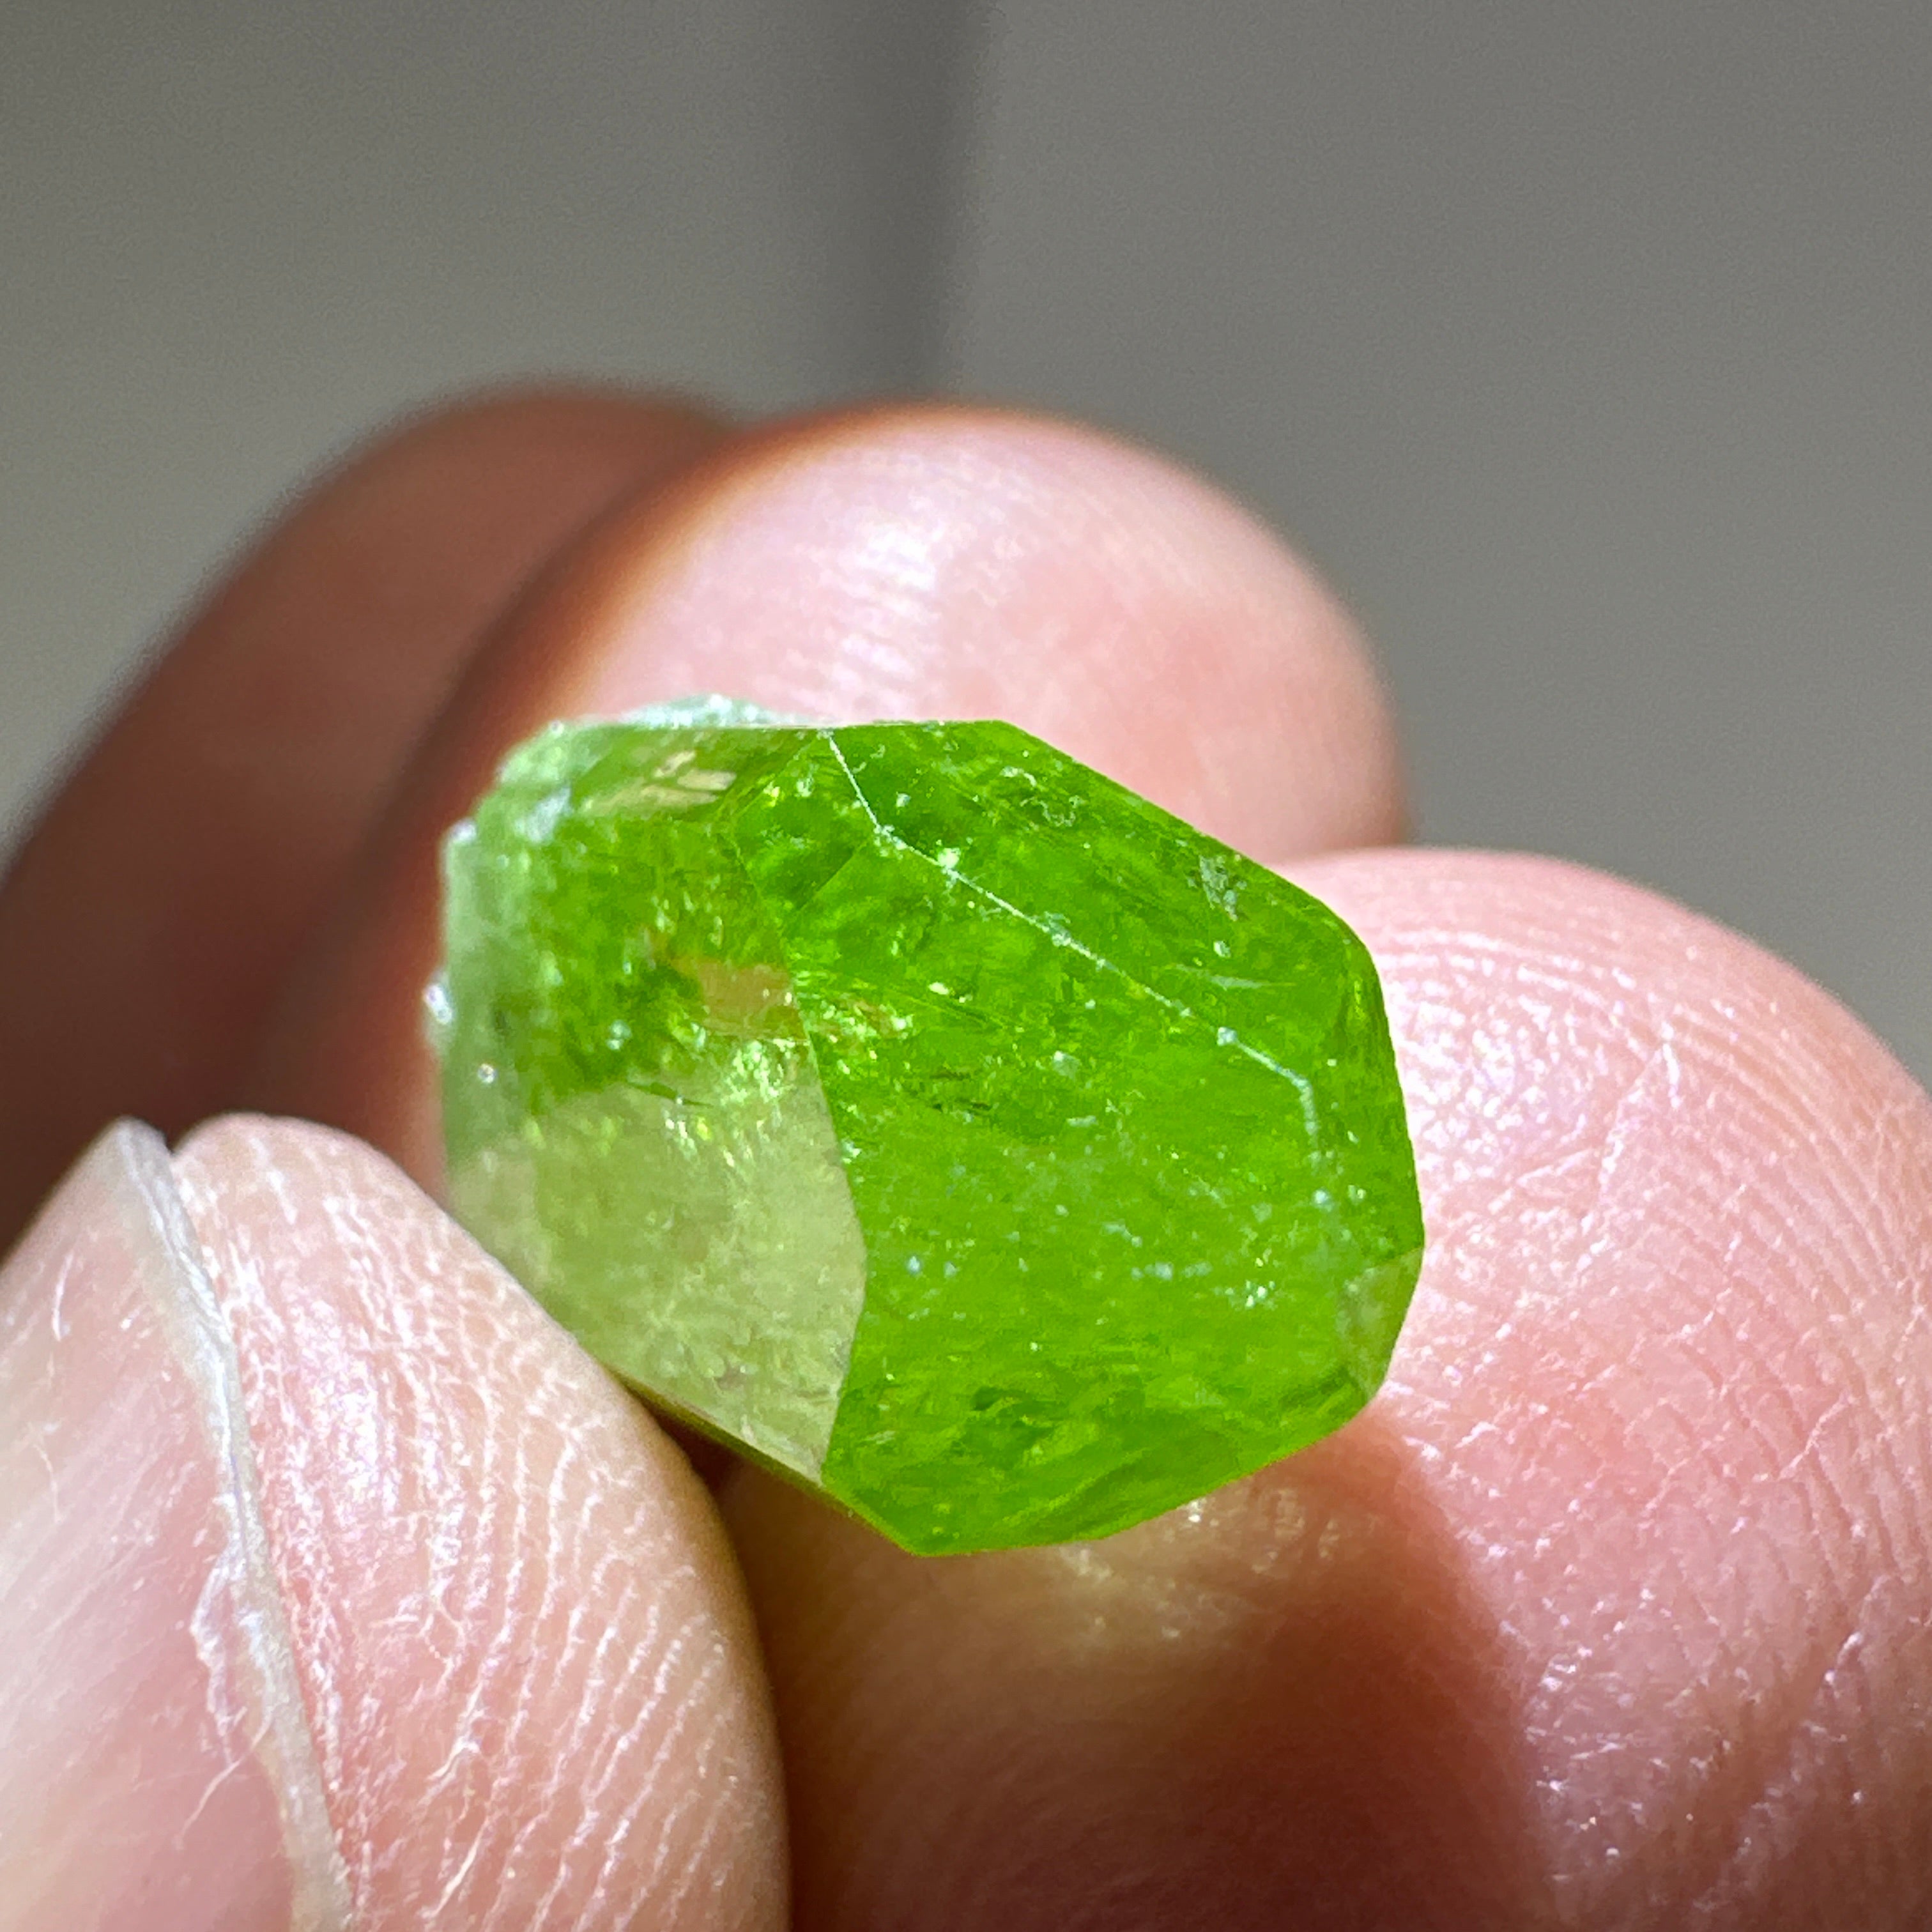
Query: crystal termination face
x=956, y=1132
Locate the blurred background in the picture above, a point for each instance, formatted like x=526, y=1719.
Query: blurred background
x=1588, y=350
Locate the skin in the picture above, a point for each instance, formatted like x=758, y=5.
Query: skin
x=1614, y=1609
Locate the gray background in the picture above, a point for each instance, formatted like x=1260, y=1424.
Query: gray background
x=1588, y=349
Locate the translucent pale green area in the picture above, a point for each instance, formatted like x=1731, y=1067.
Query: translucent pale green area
x=634, y=1124
x=928, y=1112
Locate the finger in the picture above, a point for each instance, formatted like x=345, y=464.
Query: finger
x=340, y=1588
x=150, y=915
x=156, y=1767
x=1614, y=1609
x=519, y=1631
x=900, y=563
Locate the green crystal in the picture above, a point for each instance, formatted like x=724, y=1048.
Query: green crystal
x=959, y=1134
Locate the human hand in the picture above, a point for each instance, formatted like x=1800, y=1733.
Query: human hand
x=1614, y=1609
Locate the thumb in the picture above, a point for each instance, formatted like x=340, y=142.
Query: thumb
x=339, y=1587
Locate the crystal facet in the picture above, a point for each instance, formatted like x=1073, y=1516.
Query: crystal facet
x=960, y=1135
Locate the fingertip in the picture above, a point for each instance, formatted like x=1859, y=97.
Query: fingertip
x=156, y=1765
x=1670, y=1343
x=919, y=561
x=519, y=1628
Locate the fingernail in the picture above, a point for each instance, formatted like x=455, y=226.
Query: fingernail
x=156, y=1772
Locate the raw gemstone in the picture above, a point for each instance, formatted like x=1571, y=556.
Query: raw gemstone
x=959, y=1134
